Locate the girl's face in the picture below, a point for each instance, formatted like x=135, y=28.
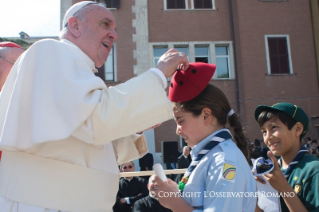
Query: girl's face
x=193, y=128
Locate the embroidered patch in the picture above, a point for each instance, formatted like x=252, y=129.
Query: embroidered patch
x=297, y=189
x=229, y=171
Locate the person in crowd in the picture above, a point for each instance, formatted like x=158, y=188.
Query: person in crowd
x=131, y=189
x=283, y=125
x=64, y=129
x=220, y=164
x=304, y=142
x=314, y=148
x=256, y=151
x=146, y=164
x=149, y=203
x=264, y=150
x=183, y=162
x=9, y=53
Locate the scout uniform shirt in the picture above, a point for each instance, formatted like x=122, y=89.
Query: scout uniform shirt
x=304, y=179
x=221, y=173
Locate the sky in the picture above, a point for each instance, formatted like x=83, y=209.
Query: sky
x=34, y=17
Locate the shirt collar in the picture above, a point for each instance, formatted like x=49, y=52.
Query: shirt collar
x=198, y=147
x=88, y=59
x=128, y=179
x=152, y=196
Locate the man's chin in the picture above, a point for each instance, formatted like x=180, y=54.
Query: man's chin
x=100, y=63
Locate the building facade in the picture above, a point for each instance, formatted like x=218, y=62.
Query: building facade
x=265, y=51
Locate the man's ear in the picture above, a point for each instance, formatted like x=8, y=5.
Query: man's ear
x=298, y=129
x=74, y=28
x=207, y=113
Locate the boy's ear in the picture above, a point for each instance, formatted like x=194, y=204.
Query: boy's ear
x=298, y=129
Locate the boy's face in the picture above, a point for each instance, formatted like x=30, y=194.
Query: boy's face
x=279, y=139
x=314, y=145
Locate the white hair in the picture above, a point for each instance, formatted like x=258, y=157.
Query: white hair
x=81, y=15
x=186, y=147
x=121, y=166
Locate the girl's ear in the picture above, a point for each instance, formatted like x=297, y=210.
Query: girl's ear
x=298, y=129
x=207, y=114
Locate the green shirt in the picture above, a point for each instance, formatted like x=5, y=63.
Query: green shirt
x=304, y=179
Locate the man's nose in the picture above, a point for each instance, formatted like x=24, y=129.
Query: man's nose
x=113, y=35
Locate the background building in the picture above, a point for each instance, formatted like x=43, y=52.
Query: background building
x=266, y=51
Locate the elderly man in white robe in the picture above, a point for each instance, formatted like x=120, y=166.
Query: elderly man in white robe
x=62, y=131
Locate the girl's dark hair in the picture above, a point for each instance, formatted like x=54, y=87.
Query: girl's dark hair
x=214, y=99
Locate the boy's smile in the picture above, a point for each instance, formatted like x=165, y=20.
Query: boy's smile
x=280, y=140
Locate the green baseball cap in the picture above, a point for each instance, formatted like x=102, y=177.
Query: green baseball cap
x=293, y=111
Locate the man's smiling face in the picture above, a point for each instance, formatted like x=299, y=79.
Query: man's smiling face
x=98, y=32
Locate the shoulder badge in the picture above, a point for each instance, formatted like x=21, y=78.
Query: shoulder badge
x=229, y=171
x=297, y=188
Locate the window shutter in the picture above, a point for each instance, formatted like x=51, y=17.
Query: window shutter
x=278, y=54
x=175, y=4
x=116, y=3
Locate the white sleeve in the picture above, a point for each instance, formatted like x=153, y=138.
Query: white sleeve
x=125, y=109
x=161, y=75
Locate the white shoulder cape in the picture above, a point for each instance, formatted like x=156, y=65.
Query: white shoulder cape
x=52, y=93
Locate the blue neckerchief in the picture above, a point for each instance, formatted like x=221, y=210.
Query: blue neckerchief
x=262, y=166
x=294, y=162
x=201, y=149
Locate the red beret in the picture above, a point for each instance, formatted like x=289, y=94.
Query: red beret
x=9, y=44
x=186, y=85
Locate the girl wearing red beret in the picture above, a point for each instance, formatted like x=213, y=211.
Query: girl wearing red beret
x=219, y=177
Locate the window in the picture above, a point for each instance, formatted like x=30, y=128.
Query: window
x=201, y=54
x=273, y=0
x=214, y=52
x=278, y=57
x=107, y=71
x=175, y=4
x=189, y=4
x=112, y=3
x=198, y=4
x=158, y=52
x=222, y=61
x=183, y=49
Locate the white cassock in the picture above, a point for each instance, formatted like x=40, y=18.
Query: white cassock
x=63, y=132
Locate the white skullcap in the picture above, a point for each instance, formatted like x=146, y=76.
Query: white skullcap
x=73, y=9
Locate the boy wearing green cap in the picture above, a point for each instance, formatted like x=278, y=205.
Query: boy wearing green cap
x=296, y=172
